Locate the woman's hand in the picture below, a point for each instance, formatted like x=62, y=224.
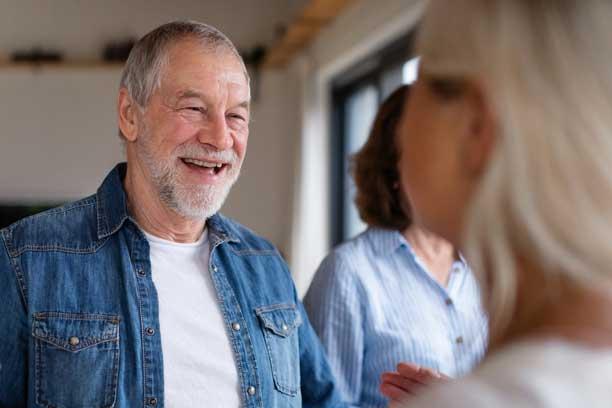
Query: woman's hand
x=408, y=381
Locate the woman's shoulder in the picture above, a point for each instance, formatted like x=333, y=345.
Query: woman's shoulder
x=352, y=261
x=368, y=248
x=373, y=242
x=533, y=374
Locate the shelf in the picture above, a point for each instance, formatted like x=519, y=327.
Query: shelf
x=60, y=65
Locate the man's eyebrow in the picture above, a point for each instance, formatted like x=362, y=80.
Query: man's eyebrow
x=190, y=93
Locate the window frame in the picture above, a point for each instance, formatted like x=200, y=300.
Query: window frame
x=367, y=71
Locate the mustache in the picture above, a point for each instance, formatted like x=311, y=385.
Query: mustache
x=203, y=152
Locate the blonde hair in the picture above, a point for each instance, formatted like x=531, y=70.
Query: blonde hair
x=546, y=69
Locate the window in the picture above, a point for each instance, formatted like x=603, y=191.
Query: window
x=357, y=94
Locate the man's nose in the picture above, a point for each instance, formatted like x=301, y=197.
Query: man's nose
x=216, y=133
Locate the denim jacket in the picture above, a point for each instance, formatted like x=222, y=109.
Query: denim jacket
x=79, y=320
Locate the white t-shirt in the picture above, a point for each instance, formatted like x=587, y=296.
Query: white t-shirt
x=536, y=374
x=199, y=366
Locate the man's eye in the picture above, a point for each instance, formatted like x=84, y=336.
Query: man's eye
x=195, y=109
x=237, y=117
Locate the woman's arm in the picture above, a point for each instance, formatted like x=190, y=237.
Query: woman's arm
x=334, y=304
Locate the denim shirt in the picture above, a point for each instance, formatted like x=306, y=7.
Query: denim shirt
x=79, y=319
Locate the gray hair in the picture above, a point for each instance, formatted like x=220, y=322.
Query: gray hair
x=545, y=67
x=144, y=66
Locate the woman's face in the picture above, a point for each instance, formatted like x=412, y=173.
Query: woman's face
x=437, y=136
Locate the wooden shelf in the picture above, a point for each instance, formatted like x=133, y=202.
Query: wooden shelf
x=303, y=31
x=60, y=65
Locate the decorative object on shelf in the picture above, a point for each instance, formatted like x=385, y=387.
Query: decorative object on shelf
x=255, y=56
x=253, y=60
x=36, y=56
x=118, y=51
x=10, y=213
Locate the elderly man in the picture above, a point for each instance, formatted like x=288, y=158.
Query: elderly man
x=142, y=295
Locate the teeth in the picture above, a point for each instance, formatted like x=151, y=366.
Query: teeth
x=203, y=163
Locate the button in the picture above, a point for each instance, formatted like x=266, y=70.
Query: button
x=150, y=331
x=251, y=390
x=74, y=341
x=459, y=340
x=448, y=302
x=152, y=401
x=140, y=272
x=284, y=327
x=215, y=268
x=236, y=326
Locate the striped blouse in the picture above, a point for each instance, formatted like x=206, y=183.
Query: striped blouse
x=373, y=304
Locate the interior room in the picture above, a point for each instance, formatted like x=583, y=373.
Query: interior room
x=305, y=203
x=60, y=129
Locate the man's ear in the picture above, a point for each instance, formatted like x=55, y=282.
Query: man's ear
x=129, y=117
x=482, y=131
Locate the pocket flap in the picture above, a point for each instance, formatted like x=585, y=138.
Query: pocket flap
x=281, y=319
x=75, y=331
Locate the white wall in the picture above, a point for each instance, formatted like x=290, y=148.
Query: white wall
x=59, y=137
x=262, y=197
x=364, y=28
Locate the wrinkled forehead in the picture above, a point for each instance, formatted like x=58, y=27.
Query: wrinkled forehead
x=189, y=62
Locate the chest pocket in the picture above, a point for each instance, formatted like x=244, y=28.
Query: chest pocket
x=279, y=325
x=77, y=359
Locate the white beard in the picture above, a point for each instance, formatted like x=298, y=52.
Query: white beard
x=193, y=201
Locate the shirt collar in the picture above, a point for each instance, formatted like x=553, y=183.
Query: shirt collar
x=111, y=209
x=111, y=203
x=386, y=241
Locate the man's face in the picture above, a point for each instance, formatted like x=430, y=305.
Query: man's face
x=195, y=128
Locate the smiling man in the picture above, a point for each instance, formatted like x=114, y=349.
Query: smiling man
x=142, y=294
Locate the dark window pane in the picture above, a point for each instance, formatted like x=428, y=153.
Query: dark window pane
x=361, y=109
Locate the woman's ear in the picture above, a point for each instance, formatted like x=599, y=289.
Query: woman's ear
x=482, y=131
x=129, y=118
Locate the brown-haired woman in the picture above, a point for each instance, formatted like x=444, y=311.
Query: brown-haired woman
x=395, y=293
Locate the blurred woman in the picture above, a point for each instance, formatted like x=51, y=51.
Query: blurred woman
x=396, y=292
x=506, y=152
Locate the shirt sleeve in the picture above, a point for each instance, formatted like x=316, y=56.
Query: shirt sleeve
x=334, y=304
x=14, y=332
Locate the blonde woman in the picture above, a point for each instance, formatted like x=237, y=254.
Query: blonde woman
x=507, y=152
